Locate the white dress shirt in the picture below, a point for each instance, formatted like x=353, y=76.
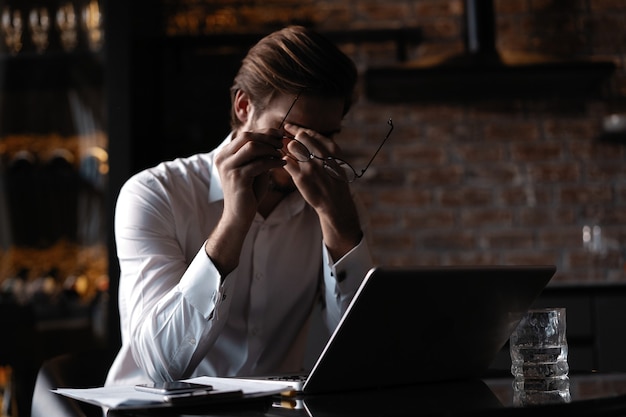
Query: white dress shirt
x=177, y=321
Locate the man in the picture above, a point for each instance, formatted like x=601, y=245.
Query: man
x=223, y=255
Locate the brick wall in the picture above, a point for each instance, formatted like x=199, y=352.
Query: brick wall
x=478, y=181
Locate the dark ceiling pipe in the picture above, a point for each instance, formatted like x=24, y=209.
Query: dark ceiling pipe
x=480, y=29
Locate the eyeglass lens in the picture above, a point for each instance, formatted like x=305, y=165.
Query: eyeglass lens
x=335, y=167
x=296, y=150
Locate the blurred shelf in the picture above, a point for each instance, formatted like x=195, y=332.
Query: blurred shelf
x=50, y=70
x=475, y=80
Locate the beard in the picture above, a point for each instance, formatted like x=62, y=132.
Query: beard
x=281, y=182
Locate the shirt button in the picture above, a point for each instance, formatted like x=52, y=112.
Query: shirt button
x=192, y=341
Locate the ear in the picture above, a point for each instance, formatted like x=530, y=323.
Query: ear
x=242, y=106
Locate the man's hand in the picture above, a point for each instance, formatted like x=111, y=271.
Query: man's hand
x=243, y=165
x=330, y=197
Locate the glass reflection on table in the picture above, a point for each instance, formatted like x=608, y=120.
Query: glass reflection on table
x=585, y=393
x=541, y=391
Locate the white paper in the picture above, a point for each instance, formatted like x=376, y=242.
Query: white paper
x=249, y=387
x=127, y=396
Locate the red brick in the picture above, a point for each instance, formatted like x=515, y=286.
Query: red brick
x=462, y=197
x=332, y=16
x=474, y=218
x=604, y=28
x=382, y=13
x=436, y=8
x=474, y=258
x=393, y=240
x=509, y=239
x=448, y=240
x=406, y=258
x=382, y=175
x=581, y=259
x=404, y=197
x=536, y=151
x=616, y=215
x=588, y=267
x=503, y=7
x=418, y=155
x=436, y=132
x=472, y=153
x=555, y=172
x=590, y=149
x=607, y=6
x=432, y=54
x=509, y=39
x=380, y=53
x=585, y=194
x=605, y=171
x=529, y=195
x=441, y=29
x=531, y=257
x=545, y=216
x=620, y=84
x=432, y=116
x=433, y=176
x=567, y=128
x=514, y=130
x=382, y=220
x=492, y=173
x=561, y=238
x=439, y=219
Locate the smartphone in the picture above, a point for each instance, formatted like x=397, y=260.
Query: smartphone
x=172, y=387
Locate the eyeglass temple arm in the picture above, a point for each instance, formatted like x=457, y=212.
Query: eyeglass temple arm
x=390, y=123
x=293, y=103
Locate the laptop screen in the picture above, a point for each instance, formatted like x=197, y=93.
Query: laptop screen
x=425, y=324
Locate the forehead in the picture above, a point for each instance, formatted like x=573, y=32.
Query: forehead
x=322, y=114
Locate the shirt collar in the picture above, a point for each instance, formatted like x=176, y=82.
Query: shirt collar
x=287, y=208
x=216, y=192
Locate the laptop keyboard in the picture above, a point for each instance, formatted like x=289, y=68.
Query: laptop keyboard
x=288, y=378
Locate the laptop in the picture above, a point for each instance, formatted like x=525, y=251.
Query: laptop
x=414, y=325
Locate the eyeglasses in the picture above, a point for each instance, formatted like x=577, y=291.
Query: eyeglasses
x=336, y=168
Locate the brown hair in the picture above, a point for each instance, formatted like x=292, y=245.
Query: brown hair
x=294, y=60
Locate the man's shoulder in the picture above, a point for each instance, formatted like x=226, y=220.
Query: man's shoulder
x=189, y=170
x=182, y=167
x=192, y=175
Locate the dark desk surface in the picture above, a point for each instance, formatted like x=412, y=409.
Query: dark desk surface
x=589, y=395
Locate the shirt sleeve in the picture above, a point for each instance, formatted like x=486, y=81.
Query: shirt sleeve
x=342, y=279
x=170, y=304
